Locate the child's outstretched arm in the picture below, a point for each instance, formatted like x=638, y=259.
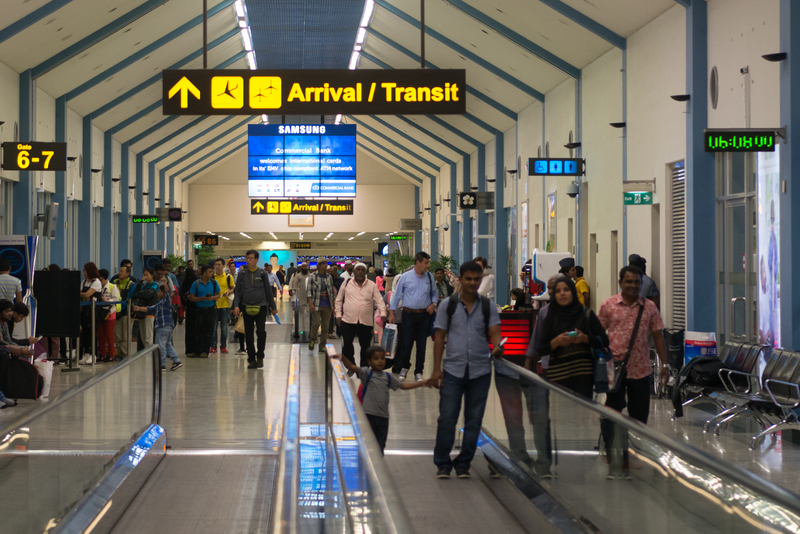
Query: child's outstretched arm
x=347, y=363
x=411, y=385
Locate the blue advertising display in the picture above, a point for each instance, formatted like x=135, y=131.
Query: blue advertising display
x=308, y=160
x=14, y=248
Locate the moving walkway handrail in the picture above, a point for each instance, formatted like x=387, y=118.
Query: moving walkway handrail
x=733, y=472
x=287, y=482
x=152, y=351
x=394, y=519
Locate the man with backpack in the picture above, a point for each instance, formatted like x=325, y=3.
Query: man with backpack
x=468, y=322
x=417, y=289
x=253, y=295
x=204, y=293
x=355, y=312
x=144, y=295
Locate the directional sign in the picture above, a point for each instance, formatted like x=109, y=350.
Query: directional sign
x=638, y=199
x=264, y=206
x=314, y=92
x=479, y=200
x=207, y=240
x=35, y=156
x=555, y=167
x=299, y=244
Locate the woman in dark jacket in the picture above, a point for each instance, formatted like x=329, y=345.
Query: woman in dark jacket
x=569, y=333
x=189, y=314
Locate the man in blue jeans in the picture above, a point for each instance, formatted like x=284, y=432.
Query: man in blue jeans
x=417, y=290
x=467, y=371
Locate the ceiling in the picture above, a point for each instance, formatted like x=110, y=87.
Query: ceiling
x=105, y=59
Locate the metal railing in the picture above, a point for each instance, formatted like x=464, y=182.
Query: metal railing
x=287, y=481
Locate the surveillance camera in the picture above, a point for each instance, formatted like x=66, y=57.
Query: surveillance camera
x=573, y=190
x=446, y=227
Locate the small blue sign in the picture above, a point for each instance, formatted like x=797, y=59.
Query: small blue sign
x=555, y=167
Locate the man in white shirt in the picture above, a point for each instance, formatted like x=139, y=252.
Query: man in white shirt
x=10, y=286
x=357, y=298
x=348, y=270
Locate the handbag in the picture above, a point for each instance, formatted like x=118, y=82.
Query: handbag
x=603, y=364
x=620, y=366
x=239, y=324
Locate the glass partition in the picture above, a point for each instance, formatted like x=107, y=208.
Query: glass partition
x=51, y=457
x=616, y=475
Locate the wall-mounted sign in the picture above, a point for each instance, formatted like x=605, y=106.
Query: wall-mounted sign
x=207, y=240
x=637, y=198
x=35, y=156
x=741, y=140
x=300, y=207
x=556, y=167
x=144, y=219
x=398, y=237
x=299, y=244
x=411, y=224
x=479, y=200
x=197, y=246
x=314, y=92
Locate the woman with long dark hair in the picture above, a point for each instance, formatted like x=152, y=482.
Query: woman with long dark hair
x=91, y=289
x=189, y=314
x=569, y=333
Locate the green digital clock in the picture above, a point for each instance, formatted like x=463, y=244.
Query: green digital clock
x=740, y=140
x=144, y=219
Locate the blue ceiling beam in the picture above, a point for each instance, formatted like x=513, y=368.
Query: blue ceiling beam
x=193, y=139
x=91, y=40
x=503, y=75
x=410, y=139
x=214, y=162
x=176, y=133
x=685, y=3
x=231, y=61
x=430, y=164
x=146, y=51
x=432, y=135
x=453, y=129
x=209, y=143
x=31, y=18
x=135, y=117
x=399, y=157
x=580, y=19
x=471, y=90
x=157, y=78
x=414, y=179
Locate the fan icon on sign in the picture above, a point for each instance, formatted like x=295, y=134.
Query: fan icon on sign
x=468, y=201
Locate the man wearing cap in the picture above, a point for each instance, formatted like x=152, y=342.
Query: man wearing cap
x=567, y=267
x=348, y=271
x=649, y=288
x=355, y=303
x=321, y=296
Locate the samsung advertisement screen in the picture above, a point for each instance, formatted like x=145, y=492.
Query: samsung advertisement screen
x=302, y=160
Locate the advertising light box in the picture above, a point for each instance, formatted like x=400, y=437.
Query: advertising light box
x=301, y=160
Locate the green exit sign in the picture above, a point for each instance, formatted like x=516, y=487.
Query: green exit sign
x=197, y=246
x=643, y=198
x=398, y=237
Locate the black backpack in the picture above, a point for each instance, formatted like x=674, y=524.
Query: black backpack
x=144, y=296
x=455, y=299
x=19, y=379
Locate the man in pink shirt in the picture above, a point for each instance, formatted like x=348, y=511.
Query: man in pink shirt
x=354, y=309
x=618, y=316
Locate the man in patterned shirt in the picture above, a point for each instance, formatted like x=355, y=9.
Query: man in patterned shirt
x=618, y=315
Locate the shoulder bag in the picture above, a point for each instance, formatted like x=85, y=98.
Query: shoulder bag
x=620, y=366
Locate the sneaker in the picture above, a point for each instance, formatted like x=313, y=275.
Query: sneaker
x=213, y=350
x=241, y=351
x=311, y=346
x=176, y=366
x=260, y=363
x=462, y=472
x=8, y=403
x=252, y=365
x=224, y=350
x=203, y=355
x=611, y=476
x=191, y=355
x=163, y=368
x=418, y=377
x=627, y=475
x=322, y=348
x=443, y=472
x=403, y=374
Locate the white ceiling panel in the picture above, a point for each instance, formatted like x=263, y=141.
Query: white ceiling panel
x=441, y=131
x=403, y=165
x=60, y=30
x=214, y=151
x=162, y=133
x=14, y=10
x=365, y=136
x=170, y=141
x=229, y=126
x=416, y=134
x=399, y=139
x=128, y=108
x=620, y=16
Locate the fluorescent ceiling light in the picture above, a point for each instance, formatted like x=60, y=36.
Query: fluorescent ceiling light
x=244, y=234
x=369, y=7
x=237, y=5
x=330, y=234
x=212, y=233
x=362, y=34
x=265, y=119
x=354, y=60
x=251, y=60
x=225, y=238
x=338, y=118
x=375, y=238
x=351, y=238
x=301, y=235
x=273, y=235
x=242, y=23
x=248, y=45
x=360, y=233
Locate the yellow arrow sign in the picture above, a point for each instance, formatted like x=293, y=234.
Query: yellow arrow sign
x=185, y=87
x=258, y=206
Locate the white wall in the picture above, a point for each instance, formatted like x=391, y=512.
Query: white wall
x=98, y=178
x=74, y=186
x=9, y=110
x=45, y=132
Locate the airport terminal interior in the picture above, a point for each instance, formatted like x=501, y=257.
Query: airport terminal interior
x=228, y=228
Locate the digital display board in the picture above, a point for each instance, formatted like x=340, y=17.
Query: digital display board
x=301, y=160
x=144, y=219
x=555, y=167
x=739, y=141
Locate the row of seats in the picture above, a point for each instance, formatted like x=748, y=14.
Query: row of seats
x=769, y=399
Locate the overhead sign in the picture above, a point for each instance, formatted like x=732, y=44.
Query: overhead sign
x=35, y=156
x=315, y=92
x=207, y=240
x=264, y=206
x=740, y=140
x=556, y=167
x=478, y=200
x=411, y=224
x=144, y=219
x=398, y=237
x=301, y=160
x=643, y=198
x=299, y=244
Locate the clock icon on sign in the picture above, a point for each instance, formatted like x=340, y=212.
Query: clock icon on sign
x=540, y=167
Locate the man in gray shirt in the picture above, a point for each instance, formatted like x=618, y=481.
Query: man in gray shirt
x=467, y=372
x=253, y=295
